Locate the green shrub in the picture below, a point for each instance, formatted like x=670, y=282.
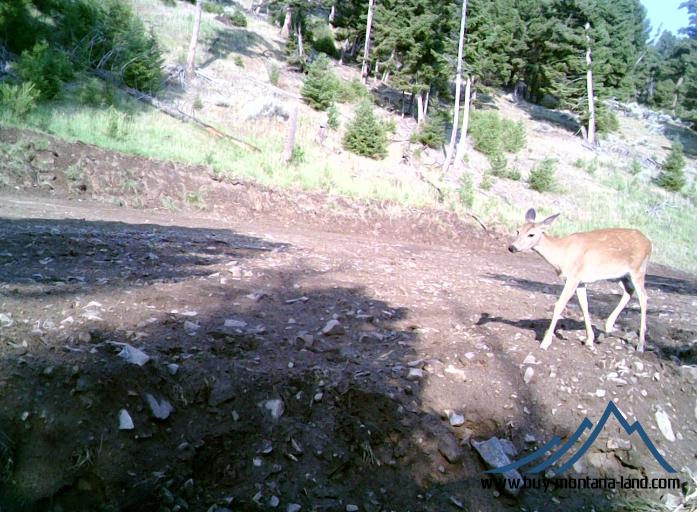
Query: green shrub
x=635, y=167
x=237, y=18
x=486, y=183
x=430, y=133
x=513, y=136
x=326, y=45
x=321, y=84
x=213, y=7
x=605, y=119
x=494, y=137
x=238, y=61
x=365, y=135
x=47, y=68
x=333, y=117
x=466, y=191
x=94, y=92
x=274, y=73
x=542, y=176
x=580, y=163
x=351, y=91
x=672, y=175
x=18, y=101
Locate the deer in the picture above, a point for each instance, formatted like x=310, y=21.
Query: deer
x=604, y=254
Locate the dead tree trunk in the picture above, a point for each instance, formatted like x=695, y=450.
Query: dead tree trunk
x=301, y=51
x=366, y=51
x=458, y=86
x=465, y=122
x=589, y=84
x=677, y=92
x=285, y=31
x=419, y=108
x=194, y=41
x=290, y=137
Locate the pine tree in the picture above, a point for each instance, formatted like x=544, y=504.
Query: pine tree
x=672, y=175
x=365, y=135
x=321, y=84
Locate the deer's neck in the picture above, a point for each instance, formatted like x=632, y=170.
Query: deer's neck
x=552, y=250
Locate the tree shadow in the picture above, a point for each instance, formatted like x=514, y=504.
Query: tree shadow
x=226, y=41
x=541, y=114
x=684, y=135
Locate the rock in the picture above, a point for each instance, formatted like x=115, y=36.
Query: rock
x=333, y=328
x=415, y=374
x=125, y=421
x=293, y=507
x=160, y=409
x=351, y=508
x=84, y=337
x=530, y=359
x=222, y=391
x=529, y=373
x=457, y=420
x=274, y=501
x=671, y=501
x=450, y=449
x=579, y=467
x=276, y=407
x=619, y=444
x=133, y=355
x=600, y=393
x=529, y=438
x=237, y=324
x=494, y=457
x=188, y=488
x=689, y=373
x=549, y=101
x=663, y=421
x=508, y=448
x=172, y=368
x=304, y=340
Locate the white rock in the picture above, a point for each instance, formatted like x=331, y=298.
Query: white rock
x=235, y=323
x=529, y=438
x=333, y=327
x=160, y=409
x=125, y=421
x=663, y=422
x=274, y=501
x=172, y=368
x=190, y=326
x=293, y=507
x=415, y=374
x=529, y=360
x=457, y=419
x=600, y=393
x=277, y=408
x=529, y=373
x=133, y=355
x=351, y=508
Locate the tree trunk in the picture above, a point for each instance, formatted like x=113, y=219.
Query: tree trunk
x=344, y=47
x=465, y=122
x=301, y=51
x=426, y=102
x=290, y=137
x=589, y=84
x=285, y=31
x=419, y=108
x=677, y=92
x=458, y=87
x=332, y=13
x=194, y=41
x=366, y=50
x=251, y=5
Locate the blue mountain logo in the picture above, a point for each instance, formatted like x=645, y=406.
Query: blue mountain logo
x=585, y=425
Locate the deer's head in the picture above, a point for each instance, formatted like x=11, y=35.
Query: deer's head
x=529, y=235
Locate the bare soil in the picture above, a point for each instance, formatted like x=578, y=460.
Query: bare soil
x=410, y=289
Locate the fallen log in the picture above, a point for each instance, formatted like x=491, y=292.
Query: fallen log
x=174, y=112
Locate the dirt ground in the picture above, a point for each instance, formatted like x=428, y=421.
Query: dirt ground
x=230, y=302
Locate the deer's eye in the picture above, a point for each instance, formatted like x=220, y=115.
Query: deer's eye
x=531, y=235
x=517, y=232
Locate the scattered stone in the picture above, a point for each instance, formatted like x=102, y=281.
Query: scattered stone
x=457, y=420
x=508, y=447
x=299, y=299
x=25, y=416
x=494, y=457
x=132, y=355
x=333, y=328
x=125, y=420
x=664, y=425
x=223, y=390
x=456, y=502
x=304, y=340
x=84, y=337
x=188, y=488
x=689, y=373
x=318, y=397
x=415, y=374
x=671, y=501
x=579, y=467
x=266, y=448
x=619, y=444
x=49, y=370
x=351, y=508
x=293, y=507
x=529, y=373
x=277, y=408
x=450, y=449
x=5, y=320
x=160, y=409
x=600, y=393
x=172, y=368
x=274, y=501
x=529, y=438
x=530, y=359
x=239, y=324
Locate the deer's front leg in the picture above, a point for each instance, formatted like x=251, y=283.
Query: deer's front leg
x=566, y=294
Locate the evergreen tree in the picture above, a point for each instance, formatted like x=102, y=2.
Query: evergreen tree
x=321, y=84
x=672, y=175
x=365, y=135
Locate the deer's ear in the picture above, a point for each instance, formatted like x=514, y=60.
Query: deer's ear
x=530, y=216
x=549, y=220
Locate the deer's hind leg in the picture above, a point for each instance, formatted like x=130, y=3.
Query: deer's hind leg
x=628, y=289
